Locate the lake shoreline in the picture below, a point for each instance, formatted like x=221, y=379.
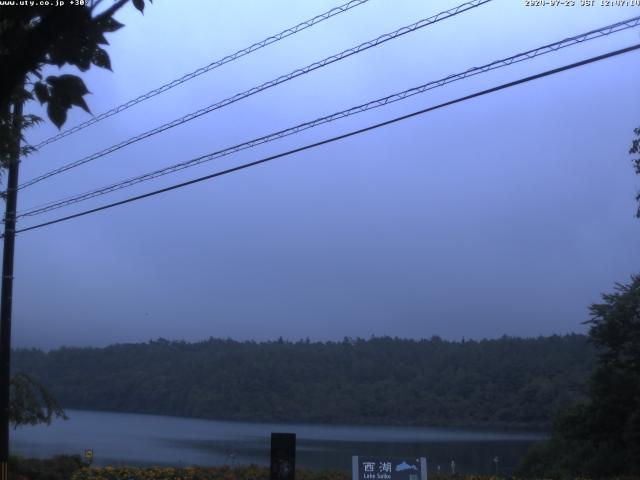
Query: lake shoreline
x=143, y=440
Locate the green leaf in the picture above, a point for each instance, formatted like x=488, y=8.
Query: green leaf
x=31, y=403
x=30, y=120
x=83, y=59
x=41, y=91
x=27, y=150
x=139, y=4
x=101, y=58
x=110, y=25
x=79, y=102
x=70, y=84
x=66, y=90
x=57, y=113
x=100, y=39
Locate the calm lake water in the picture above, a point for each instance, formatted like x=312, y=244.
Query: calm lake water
x=132, y=439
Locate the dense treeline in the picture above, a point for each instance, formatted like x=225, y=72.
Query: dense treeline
x=600, y=437
x=502, y=382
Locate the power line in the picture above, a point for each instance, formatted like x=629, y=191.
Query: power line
x=207, y=68
x=272, y=83
x=340, y=137
x=530, y=54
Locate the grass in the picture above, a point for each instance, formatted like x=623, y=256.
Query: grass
x=66, y=467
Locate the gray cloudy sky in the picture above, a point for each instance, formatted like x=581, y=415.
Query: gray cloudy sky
x=506, y=214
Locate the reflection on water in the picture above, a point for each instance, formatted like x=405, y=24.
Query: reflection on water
x=118, y=438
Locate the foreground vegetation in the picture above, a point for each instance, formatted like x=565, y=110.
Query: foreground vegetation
x=251, y=472
x=61, y=467
x=72, y=468
x=601, y=436
x=504, y=382
x=224, y=473
x=65, y=467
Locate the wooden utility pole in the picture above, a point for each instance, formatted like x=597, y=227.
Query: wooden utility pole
x=7, y=284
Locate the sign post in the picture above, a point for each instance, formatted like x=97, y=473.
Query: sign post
x=379, y=468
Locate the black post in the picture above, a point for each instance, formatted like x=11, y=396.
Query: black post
x=7, y=287
x=283, y=456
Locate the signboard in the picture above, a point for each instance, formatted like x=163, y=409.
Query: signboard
x=382, y=468
x=88, y=455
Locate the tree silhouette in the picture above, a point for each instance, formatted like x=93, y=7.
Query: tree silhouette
x=36, y=36
x=635, y=150
x=601, y=437
x=31, y=38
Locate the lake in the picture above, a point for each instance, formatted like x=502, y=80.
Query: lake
x=133, y=439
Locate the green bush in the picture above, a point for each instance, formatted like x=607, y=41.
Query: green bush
x=60, y=467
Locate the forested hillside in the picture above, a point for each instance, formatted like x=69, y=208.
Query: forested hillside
x=502, y=382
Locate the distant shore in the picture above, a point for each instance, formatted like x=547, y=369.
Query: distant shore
x=505, y=383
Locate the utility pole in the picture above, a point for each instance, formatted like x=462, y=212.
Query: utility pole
x=7, y=284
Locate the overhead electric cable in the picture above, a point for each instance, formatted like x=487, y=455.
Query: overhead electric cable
x=207, y=68
x=339, y=137
x=530, y=54
x=272, y=83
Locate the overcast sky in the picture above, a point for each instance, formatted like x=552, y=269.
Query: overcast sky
x=506, y=214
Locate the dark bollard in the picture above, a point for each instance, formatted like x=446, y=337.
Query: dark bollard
x=283, y=456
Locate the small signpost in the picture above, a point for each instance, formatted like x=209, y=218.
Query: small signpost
x=88, y=455
x=379, y=468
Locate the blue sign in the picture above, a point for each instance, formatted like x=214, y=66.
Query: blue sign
x=382, y=468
